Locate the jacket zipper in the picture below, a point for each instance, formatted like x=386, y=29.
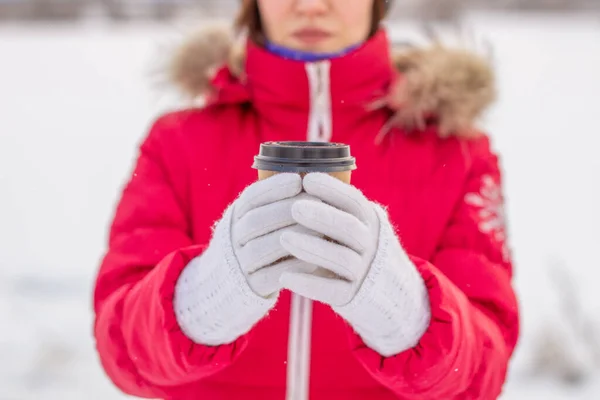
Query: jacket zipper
x=319, y=120
x=299, y=341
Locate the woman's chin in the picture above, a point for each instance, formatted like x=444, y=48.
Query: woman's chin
x=317, y=47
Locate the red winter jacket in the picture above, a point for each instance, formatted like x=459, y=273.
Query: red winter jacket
x=442, y=195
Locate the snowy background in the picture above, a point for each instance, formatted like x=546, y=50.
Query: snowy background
x=76, y=99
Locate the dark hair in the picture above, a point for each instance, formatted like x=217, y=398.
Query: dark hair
x=248, y=19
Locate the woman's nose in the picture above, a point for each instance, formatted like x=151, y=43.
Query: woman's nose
x=312, y=7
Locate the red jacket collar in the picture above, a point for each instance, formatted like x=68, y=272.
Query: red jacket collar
x=280, y=90
x=355, y=77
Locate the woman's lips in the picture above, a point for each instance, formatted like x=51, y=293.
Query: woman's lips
x=311, y=35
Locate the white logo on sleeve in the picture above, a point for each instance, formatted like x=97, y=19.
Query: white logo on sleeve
x=490, y=213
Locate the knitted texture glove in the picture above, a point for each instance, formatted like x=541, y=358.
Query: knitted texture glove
x=225, y=291
x=363, y=271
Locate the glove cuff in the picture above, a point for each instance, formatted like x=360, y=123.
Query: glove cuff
x=213, y=302
x=391, y=309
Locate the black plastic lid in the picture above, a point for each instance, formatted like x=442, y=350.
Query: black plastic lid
x=304, y=157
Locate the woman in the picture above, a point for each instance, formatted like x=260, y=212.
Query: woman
x=413, y=301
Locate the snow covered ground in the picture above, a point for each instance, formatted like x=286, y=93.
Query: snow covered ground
x=76, y=100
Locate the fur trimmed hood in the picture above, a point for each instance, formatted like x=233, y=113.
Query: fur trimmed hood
x=453, y=85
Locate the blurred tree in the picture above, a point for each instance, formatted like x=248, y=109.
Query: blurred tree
x=432, y=10
x=440, y=10
x=58, y=9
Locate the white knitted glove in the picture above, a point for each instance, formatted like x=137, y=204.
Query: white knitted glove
x=222, y=293
x=364, y=273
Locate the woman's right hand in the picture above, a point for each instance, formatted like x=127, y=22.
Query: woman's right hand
x=261, y=214
x=222, y=293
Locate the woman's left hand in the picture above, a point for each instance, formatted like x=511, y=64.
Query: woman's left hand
x=349, y=222
x=362, y=271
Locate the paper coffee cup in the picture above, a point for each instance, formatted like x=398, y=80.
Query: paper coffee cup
x=305, y=157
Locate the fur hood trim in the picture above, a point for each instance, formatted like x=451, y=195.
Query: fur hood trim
x=453, y=85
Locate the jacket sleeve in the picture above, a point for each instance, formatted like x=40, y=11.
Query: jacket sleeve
x=474, y=316
x=140, y=344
